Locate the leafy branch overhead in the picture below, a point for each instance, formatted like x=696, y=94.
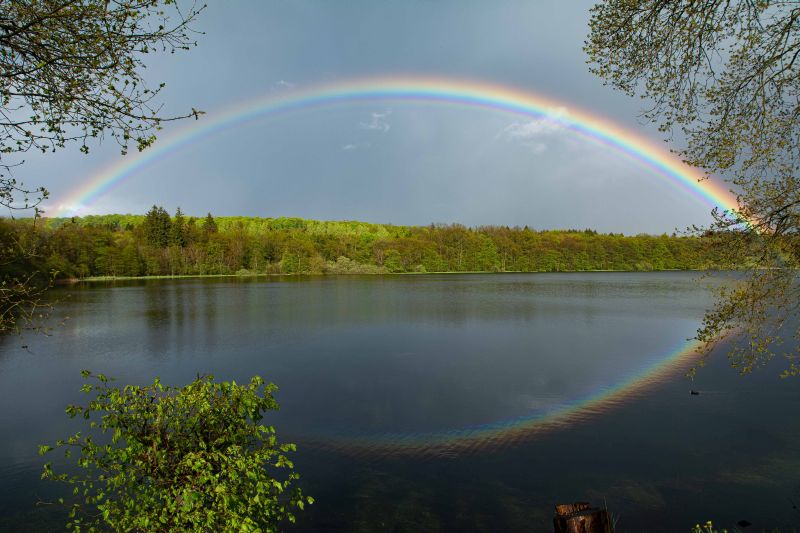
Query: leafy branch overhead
x=71, y=71
x=160, y=458
x=725, y=77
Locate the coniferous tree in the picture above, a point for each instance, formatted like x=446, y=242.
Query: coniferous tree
x=190, y=232
x=210, y=225
x=157, y=226
x=178, y=230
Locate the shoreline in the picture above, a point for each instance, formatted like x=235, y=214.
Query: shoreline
x=96, y=279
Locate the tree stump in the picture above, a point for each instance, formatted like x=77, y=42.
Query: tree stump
x=580, y=517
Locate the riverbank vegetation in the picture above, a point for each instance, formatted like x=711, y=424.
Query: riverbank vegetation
x=157, y=244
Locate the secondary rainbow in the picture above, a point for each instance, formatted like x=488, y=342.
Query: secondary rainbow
x=445, y=91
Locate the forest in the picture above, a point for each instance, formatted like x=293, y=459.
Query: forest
x=160, y=244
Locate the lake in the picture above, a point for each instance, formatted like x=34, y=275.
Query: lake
x=438, y=402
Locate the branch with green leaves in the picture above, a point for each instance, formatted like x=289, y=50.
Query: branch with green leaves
x=72, y=71
x=161, y=458
x=725, y=76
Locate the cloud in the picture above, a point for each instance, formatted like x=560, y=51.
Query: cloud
x=377, y=121
x=354, y=146
x=530, y=133
x=282, y=85
x=537, y=148
x=65, y=210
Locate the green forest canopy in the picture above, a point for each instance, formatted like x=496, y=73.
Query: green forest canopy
x=160, y=244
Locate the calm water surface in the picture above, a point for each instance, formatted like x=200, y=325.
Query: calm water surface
x=438, y=403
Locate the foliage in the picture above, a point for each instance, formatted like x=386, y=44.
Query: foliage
x=157, y=227
x=209, y=225
x=177, y=233
x=70, y=72
x=345, y=265
x=160, y=458
x=24, y=278
x=725, y=77
x=135, y=245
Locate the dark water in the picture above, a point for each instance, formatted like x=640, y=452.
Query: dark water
x=439, y=403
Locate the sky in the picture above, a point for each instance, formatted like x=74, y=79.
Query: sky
x=387, y=161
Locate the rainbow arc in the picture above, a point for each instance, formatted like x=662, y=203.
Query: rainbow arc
x=453, y=92
x=444, y=91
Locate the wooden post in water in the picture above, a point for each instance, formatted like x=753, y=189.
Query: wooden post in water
x=580, y=517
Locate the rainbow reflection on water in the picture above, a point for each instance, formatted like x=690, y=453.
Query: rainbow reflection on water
x=504, y=433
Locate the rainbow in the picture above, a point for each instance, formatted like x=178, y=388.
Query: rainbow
x=446, y=91
x=453, y=92
x=464, y=441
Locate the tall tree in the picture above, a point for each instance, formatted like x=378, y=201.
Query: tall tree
x=725, y=77
x=178, y=229
x=157, y=227
x=210, y=225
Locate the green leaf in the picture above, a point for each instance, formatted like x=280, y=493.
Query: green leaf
x=148, y=464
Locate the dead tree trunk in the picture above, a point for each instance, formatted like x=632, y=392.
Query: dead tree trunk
x=581, y=517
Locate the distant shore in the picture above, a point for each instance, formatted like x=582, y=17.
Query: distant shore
x=93, y=279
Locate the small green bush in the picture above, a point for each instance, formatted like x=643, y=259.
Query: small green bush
x=161, y=458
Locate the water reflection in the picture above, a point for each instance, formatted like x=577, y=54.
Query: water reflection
x=498, y=391
x=404, y=358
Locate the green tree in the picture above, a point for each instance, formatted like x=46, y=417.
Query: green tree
x=178, y=229
x=24, y=277
x=487, y=258
x=392, y=261
x=725, y=77
x=191, y=233
x=210, y=225
x=196, y=458
x=157, y=227
x=131, y=261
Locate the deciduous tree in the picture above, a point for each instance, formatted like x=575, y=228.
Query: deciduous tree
x=71, y=71
x=722, y=79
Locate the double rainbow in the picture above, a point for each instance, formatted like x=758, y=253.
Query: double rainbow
x=445, y=91
x=452, y=92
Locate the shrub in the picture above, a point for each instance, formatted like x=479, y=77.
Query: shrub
x=345, y=265
x=161, y=458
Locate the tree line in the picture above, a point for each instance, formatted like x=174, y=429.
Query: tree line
x=160, y=244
